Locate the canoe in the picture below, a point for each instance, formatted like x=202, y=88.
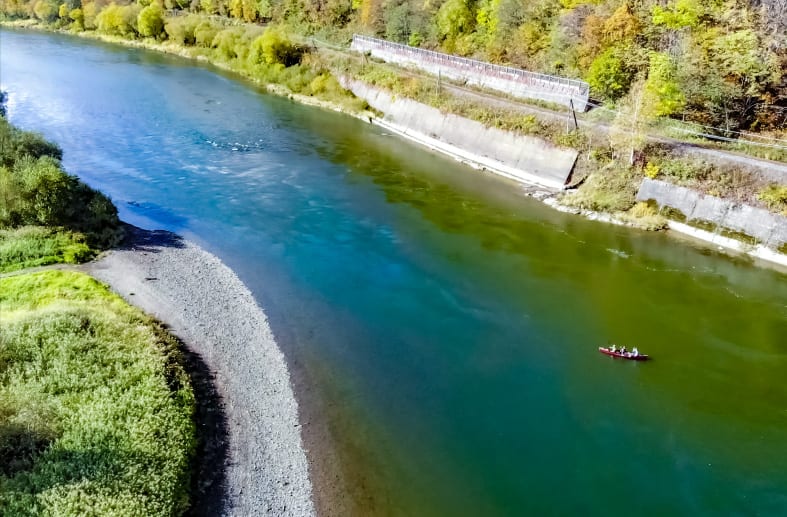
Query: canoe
x=627, y=355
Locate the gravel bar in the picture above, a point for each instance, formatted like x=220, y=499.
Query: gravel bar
x=207, y=306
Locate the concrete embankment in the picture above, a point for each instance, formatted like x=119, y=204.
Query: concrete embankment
x=208, y=307
x=716, y=220
x=521, y=158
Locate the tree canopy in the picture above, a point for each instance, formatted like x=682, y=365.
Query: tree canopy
x=722, y=63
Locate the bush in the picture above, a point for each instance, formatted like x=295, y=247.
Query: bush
x=205, y=33
x=275, y=48
x=182, y=30
x=775, y=197
x=15, y=144
x=151, y=21
x=119, y=20
x=612, y=189
x=35, y=190
x=226, y=43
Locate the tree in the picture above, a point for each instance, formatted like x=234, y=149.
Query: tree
x=46, y=10
x=661, y=88
x=609, y=76
x=454, y=18
x=397, y=23
x=273, y=47
x=629, y=131
x=622, y=26
x=78, y=17
x=150, y=21
x=678, y=14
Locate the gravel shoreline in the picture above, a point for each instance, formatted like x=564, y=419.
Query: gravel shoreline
x=205, y=304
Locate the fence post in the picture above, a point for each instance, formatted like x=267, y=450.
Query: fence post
x=573, y=113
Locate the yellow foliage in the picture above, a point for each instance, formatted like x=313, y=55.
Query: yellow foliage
x=652, y=170
x=622, y=26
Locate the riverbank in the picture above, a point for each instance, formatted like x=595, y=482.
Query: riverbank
x=630, y=218
x=205, y=304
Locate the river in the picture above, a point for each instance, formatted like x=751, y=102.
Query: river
x=442, y=326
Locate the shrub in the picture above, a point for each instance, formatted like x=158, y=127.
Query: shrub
x=46, y=10
x=224, y=42
x=15, y=144
x=775, y=197
x=35, y=190
x=151, y=21
x=78, y=17
x=182, y=30
x=205, y=33
x=95, y=406
x=119, y=20
x=274, y=47
x=610, y=190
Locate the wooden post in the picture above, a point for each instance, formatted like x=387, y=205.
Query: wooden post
x=438, y=81
x=573, y=113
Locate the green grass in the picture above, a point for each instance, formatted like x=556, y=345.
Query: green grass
x=95, y=408
x=32, y=246
x=611, y=187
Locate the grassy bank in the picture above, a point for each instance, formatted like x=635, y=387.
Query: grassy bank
x=608, y=171
x=32, y=246
x=95, y=408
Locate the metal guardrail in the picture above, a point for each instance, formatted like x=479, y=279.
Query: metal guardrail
x=516, y=81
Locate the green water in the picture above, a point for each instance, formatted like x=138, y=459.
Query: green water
x=442, y=326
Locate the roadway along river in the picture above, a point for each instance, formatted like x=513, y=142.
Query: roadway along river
x=442, y=327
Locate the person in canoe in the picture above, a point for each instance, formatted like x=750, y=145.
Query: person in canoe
x=623, y=350
x=613, y=348
x=635, y=352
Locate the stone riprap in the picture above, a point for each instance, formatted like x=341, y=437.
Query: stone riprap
x=523, y=158
x=768, y=228
x=513, y=81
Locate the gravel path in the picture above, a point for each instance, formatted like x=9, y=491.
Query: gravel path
x=208, y=307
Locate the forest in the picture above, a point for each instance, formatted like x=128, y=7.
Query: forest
x=720, y=63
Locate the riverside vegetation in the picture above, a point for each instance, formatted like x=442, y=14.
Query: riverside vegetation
x=47, y=215
x=96, y=410
x=716, y=63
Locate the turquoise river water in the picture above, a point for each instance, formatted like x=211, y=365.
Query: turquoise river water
x=443, y=327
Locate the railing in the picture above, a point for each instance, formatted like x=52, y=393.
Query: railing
x=510, y=80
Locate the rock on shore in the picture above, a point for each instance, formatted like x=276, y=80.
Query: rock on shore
x=208, y=307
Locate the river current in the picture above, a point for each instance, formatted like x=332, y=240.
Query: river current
x=442, y=326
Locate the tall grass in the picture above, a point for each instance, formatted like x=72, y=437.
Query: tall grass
x=31, y=246
x=95, y=408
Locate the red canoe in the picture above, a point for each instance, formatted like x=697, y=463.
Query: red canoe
x=627, y=355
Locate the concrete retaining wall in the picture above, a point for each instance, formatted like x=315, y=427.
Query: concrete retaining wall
x=526, y=159
x=513, y=81
x=768, y=228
